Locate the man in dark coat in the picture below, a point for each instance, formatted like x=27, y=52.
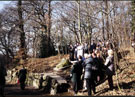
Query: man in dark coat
x=22, y=77
x=76, y=73
x=88, y=76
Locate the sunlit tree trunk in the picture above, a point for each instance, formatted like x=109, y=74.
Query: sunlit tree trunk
x=107, y=19
x=79, y=22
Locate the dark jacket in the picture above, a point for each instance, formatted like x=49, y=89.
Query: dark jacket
x=76, y=71
x=22, y=75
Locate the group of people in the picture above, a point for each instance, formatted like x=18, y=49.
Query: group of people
x=90, y=64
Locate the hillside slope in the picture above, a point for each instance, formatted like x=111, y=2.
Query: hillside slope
x=126, y=74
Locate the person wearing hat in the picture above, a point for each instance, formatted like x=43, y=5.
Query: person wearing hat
x=109, y=64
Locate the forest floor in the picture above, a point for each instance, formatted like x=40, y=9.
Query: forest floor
x=126, y=75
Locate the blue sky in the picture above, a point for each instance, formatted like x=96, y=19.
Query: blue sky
x=3, y=3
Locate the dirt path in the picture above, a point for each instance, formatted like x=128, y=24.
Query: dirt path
x=14, y=90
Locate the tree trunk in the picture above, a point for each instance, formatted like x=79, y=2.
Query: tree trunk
x=107, y=20
x=76, y=35
x=49, y=28
x=133, y=21
x=22, y=33
x=79, y=22
x=103, y=27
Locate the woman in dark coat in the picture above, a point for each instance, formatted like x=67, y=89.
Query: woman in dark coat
x=76, y=73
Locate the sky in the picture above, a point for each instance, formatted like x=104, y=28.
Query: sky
x=3, y=3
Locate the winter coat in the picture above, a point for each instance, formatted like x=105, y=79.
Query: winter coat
x=88, y=67
x=22, y=75
x=76, y=72
x=109, y=63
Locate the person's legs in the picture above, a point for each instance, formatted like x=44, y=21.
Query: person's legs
x=1, y=91
x=110, y=82
x=88, y=85
x=75, y=88
x=84, y=85
x=93, y=87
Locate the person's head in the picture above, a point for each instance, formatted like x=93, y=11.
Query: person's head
x=98, y=55
x=80, y=58
x=110, y=52
x=97, y=51
x=97, y=47
x=93, y=50
x=94, y=55
x=86, y=55
x=90, y=53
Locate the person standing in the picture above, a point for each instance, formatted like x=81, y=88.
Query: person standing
x=95, y=71
x=88, y=76
x=75, y=51
x=93, y=46
x=101, y=65
x=22, y=77
x=109, y=64
x=80, y=51
x=71, y=52
x=76, y=73
x=86, y=48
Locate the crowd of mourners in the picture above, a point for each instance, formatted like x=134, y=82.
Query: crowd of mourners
x=90, y=65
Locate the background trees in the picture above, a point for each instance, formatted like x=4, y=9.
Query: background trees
x=41, y=27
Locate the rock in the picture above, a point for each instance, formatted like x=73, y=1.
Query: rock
x=64, y=62
x=62, y=65
x=54, y=87
x=36, y=83
x=50, y=83
x=47, y=87
x=8, y=77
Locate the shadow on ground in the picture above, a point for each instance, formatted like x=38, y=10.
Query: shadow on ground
x=123, y=85
x=15, y=90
